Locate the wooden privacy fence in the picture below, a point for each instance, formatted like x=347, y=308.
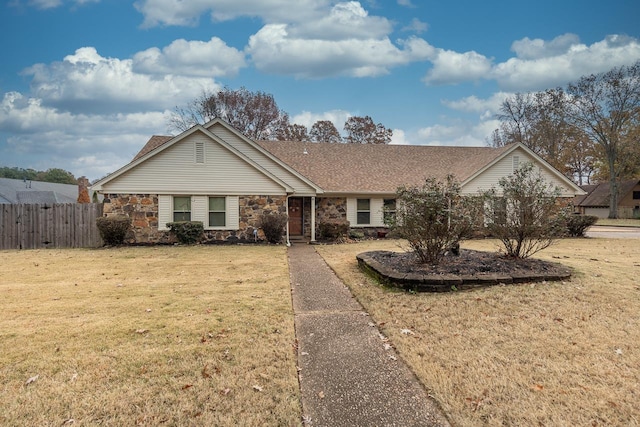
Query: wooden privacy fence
x=60, y=225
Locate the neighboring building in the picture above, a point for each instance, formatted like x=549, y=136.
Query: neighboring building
x=596, y=201
x=17, y=191
x=214, y=174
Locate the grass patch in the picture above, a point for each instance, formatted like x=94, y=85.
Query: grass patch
x=618, y=222
x=559, y=354
x=146, y=336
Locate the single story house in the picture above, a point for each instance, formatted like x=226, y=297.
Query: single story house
x=214, y=174
x=596, y=200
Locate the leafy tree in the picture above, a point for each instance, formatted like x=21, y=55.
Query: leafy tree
x=255, y=114
x=607, y=108
x=523, y=212
x=542, y=122
x=55, y=175
x=324, y=131
x=292, y=132
x=362, y=130
x=433, y=218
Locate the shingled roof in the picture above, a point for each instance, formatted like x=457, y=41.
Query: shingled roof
x=154, y=142
x=599, y=195
x=352, y=168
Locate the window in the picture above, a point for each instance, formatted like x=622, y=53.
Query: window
x=636, y=195
x=364, y=211
x=389, y=211
x=217, y=212
x=181, y=208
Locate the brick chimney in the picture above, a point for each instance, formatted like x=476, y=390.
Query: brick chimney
x=83, y=190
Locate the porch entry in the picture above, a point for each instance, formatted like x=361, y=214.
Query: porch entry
x=296, y=217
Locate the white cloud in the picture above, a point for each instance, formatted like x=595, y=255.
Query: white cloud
x=451, y=67
x=398, y=138
x=344, y=21
x=459, y=132
x=307, y=118
x=86, y=81
x=49, y=4
x=484, y=107
x=416, y=26
x=190, y=58
x=85, y=144
x=274, y=50
x=527, y=48
x=540, y=65
x=406, y=3
x=179, y=12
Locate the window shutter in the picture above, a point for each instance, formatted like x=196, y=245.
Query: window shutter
x=377, y=212
x=352, y=212
x=233, y=212
x=165, y=211
x=199, y=210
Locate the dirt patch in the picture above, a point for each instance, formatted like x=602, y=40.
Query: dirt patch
x=470, y=269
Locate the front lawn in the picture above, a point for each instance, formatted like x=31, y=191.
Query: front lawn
x=553, y=354
x=198, y=335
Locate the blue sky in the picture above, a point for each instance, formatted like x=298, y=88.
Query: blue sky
x=85, y=83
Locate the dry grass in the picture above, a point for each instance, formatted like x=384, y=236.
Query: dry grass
x=619, y=222
x=551, y=354
x=147, y=336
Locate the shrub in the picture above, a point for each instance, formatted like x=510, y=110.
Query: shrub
x=333, y=230
x=577, y=224
x=187, y=232
x=433, y=218
x=113, y=229
x=273, y=225
x=524, y=214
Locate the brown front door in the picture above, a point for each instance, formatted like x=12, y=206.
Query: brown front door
x=295, y=216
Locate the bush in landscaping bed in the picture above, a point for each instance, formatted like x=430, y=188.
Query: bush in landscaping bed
x=187, y=232
x=113, y=229
x=577, y=224
x=333, y=230
x=273, y=226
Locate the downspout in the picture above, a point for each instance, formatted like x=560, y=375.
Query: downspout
x=313, y=219
x=288, y=241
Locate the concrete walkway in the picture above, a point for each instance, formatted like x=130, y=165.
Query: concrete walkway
x=347, y=376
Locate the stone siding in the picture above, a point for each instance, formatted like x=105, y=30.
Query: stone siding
x=143, y=211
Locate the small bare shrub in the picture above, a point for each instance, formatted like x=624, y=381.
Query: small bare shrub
x=523, y=213
x=333, y=230
x=113, y=229
x=187, y=232
x=273, y=226
x=577, y=224
x=433, y=218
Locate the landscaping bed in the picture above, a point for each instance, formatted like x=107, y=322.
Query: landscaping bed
x=471, y=269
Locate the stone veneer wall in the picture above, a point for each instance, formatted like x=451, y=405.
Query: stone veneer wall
x=331, y=209
x=143, y=211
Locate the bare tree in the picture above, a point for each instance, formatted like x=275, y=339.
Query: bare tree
x=292, y=132
x=255, y=114
x=324, y=131
x=607, y=106
x=362, y=130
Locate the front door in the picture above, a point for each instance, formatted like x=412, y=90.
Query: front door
x=295, y=216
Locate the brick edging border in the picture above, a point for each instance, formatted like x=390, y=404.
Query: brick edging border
x=419, y=282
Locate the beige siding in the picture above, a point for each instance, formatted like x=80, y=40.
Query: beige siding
x=175, y=171
x=376, y=206
x=257, y=156
x=504, y=167
x=199, y=211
